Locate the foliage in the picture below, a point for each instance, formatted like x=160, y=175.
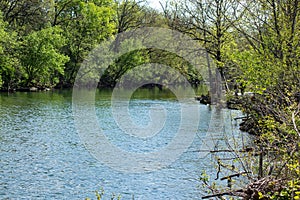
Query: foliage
x=8, y=60
x=122, y=65
x=210, y=23
x=85, y=24
x=262, y=56
x=23, y=16
x=44, y=43
x=40, y=57
x=99, y=195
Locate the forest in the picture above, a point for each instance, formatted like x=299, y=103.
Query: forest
x=255, y=45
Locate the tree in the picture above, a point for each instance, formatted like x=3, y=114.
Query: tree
x=85, y=24
x=210, y=22
x=24, y=15
x=8, y=57
x=273, y=57
x=41, y=59
x=267, y=58
x=131, y=15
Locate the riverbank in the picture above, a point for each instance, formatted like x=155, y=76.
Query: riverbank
x=272, y=117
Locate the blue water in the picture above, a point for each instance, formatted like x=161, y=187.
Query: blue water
x=42, y=157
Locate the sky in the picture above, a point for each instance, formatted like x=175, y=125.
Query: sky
x=155, y=3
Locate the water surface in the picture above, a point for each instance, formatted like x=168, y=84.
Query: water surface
x=41, y=156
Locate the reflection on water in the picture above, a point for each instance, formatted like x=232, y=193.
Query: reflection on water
x=43, y=158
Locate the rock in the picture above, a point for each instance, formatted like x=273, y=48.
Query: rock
x=203, y=99
x=33, y=89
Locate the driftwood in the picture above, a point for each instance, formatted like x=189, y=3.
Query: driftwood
x=230, y=193
x=264, y=185
x=248, y=149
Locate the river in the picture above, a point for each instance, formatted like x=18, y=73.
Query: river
x=42, y=156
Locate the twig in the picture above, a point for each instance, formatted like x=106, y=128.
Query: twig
x=238, y=193
x=234, y=175
x=294, y=123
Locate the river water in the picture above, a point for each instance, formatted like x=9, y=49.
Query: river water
x=42, y=156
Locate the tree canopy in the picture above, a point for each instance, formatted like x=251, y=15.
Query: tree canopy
x=45, y=42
